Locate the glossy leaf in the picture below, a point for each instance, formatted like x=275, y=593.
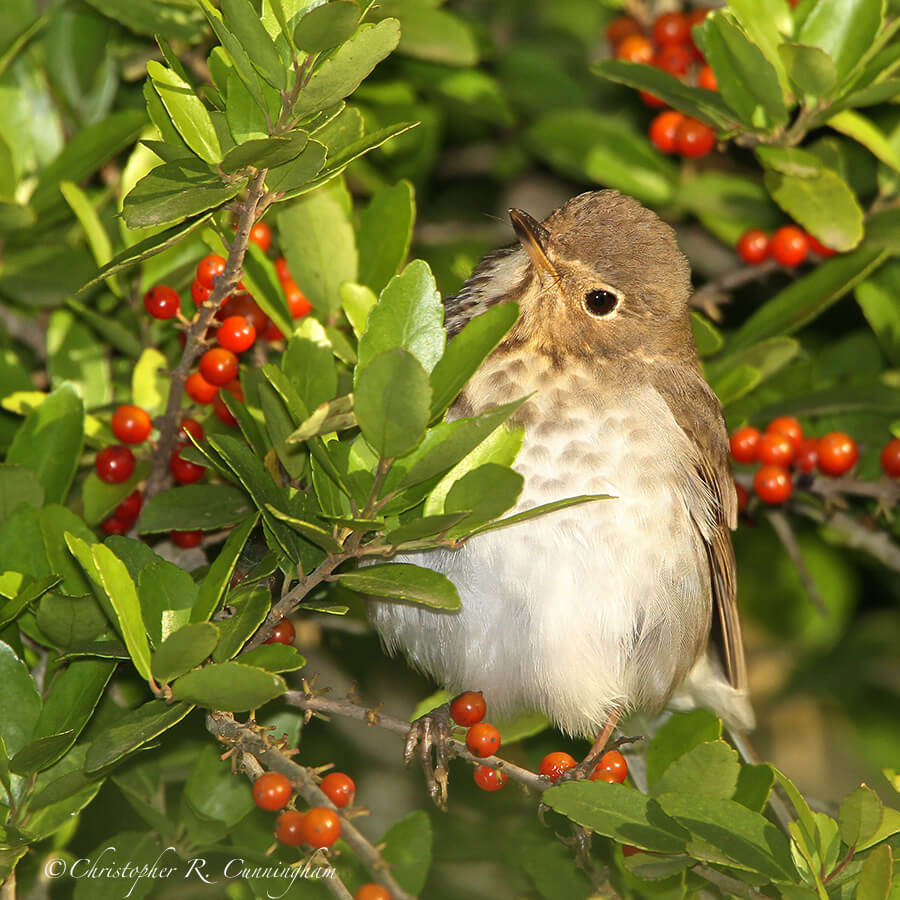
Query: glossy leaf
x=860, y=816
x=294, y=177
x=267, y=152
x=206, y=507
x=243, y=22
x=216, y=581
x=486, y=492
x=403, y=581
x=844, y=30
x=249, y=609
x=708, y=769
x=18, y=484
x=542, y=509
x=407, y=849
x=868, y=134
x=392, y=402
x=309, y=364
x=229, y=686
x=385, y=232
x=876, y=876
x=20, y=702
x=812, y=70
x=680, y=734
x=183, y=649
x=326, y=26
x=274, y=658
x=877, y=297
x=765, y=22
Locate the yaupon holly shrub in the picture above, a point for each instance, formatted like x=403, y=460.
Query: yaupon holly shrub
x=239, y=219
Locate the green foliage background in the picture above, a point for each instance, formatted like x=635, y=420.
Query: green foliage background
x=514, y=103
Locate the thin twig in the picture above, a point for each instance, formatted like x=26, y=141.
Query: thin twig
x=711, y=295
x=781, y=525
x=195, y=336
x=248, y=738
x=876, y=542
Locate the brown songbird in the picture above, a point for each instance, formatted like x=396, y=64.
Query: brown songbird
x=616, y=605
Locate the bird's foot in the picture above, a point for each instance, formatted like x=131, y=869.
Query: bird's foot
x=429, y=738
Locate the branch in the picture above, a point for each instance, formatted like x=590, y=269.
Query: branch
x=195, y=336
x=709, y=297
x=248, y=738
x=781, y=525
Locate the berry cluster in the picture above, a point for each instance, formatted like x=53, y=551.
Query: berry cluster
x=783, y=447
x=612, y=766
x=482, y=738
x=670, y=47
x=788, y=246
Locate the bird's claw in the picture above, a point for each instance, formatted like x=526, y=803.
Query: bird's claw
x=430, y=735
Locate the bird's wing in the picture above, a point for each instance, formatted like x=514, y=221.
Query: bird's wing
x=697, y=410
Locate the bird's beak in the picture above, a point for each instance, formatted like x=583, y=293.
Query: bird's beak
x=533, y=237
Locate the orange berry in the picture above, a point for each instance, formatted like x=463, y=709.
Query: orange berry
x=483, y=739
x=261, y=235
x=890, y=458
x=786, y=425
x=372, y=891
x=131, y=424
x=613, y=762
x=744, y=444
x=706, y=78
x=838, y=453
x=694, y=138
x=753, y=246
x=790, y=245
x=321, y=827
x=772, y=484
x=635, y=48
x=620, y=28
x=776, y=449
x=488, y=779
x=289, y=827
x=338, y=787
x=671, y=28
x=664, y=130
x=467, y=709
x=272, y=791
x=555, y=765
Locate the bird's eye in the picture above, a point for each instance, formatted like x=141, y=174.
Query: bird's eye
x=600, y=302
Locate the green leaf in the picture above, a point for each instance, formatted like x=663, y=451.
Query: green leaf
x=214, y=792
x=243, y=21
x=844, y=29
x=264, y=153
x=709, y=769
x=18, y=484
x=767, y=357
x=618, y=812
x=385, y=231
x=32, y=591
x=606, y=150
x=274, y=658
x=249, y=609
x=319, y=245
x=708, y=338
x=309, y=364
x=890, y=825
x=195, y=506
x=335, y=415
x=187, y=112
x=216, y=581
x=736, y=383
x=356, y=301
x=868, y=134
x=98, y=239
x=69, y=621
x=486, y=492
x=680, y=734
x=326, y=26
x=77, y=357
x=407, y=848
x=341, y=74
x=146, y=248
x=183, y=649
x=392, y=402
x=876, y=875
x=175, y=191
x=877, y=297
x=425, y=527
x=41, y=753
x=403, y=581
x=100, y=498
x=112, y=577
x=49, y=441
x=812, y=70
x=431, y=34
x=754, y=786
x=409, y=315
x=295, y=177
x=746, y=81
x=73, y=697
x=764, y=22
x=115, y=332
x=801, y=302
x=320, y=536
x=737, y=834
x=20, y=702
x=860, y=816
x=229, y=686
x=132, y=731
x=697, y=102
x=536, y=511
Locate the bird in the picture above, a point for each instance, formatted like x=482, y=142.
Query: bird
x=626, y=604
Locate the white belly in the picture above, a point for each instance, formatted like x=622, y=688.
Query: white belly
x=587, y=610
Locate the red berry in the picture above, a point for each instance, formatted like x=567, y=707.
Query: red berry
x=114, y=464
x=890, y=458
x=819, y=248
x=671, y=28
x=674, y=59
x=694, y=138
x=555, y=765
x=219, y=366
x=199, y=389
x=664, y=129
x=114, y=525
x=776, y=449
x=283, y=633
x=372, y=891
x=272, y=332
x=620, y=28
x=339, y=788
x=635, y=48
x=272, y=791
x=838, y=453
x=131, y=424
x=789, y=245
x=162, y=302
x=244, y=305
x=744, y=444
x=613, y=762
x=488, y=779
x=281, y=269
x=223, y=413
x=807, y=457
x=788, y=426
x=743, y=498
x=753, y=246
x=483, y=739
x=603, y=775
x=468, y=708
x=289, y=827
x=199, y=292
x=652, y=100
x=186, y=539
x=236, y=334
x=209, y=268
x=130, y=508
x=297, y=302
x=772, y=484
x=261, y=235
x=185, y=471
x=190, y=427
x=706, y=78
x=321, y=827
